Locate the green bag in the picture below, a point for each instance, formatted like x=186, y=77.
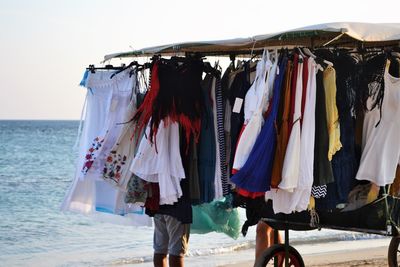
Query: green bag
x=217, y=216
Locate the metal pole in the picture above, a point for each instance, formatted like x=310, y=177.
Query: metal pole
x=276, y=233
x=286, y=247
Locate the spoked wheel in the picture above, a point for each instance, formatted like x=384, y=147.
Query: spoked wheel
x=394, y=252
x=278, y=251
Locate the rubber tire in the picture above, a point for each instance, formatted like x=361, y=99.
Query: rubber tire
x=393, y=251
x=269, y=254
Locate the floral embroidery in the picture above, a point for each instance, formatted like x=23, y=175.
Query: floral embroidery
x=138, y=190
x=113, y=166
x=90, y=156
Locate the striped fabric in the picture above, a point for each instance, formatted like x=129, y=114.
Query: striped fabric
x=319, y=191
x=221, y=136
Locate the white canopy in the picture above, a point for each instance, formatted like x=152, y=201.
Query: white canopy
x=346, y=34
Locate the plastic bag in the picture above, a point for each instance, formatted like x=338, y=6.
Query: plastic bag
x=217, y=216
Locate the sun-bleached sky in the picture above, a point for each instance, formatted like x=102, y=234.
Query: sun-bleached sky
x=45, y=45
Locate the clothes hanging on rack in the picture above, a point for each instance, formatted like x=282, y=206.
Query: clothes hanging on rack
x=102, y=143
x=344, y=162
x=255, y=175
x=218, y=174
x=238, y=90
x=207, y=146
x=331, y=111
x=291, y=163
x=108, y=101
x=380, y=136
x=164, y=165
x=298, y=200
x=255, y=104
x=226, y=188
x=282, y=128
x=291, y=129
x=323, y=173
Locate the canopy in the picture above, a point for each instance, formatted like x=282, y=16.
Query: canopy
x=343, y=34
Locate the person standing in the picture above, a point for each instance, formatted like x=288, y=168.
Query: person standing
x=172, y=229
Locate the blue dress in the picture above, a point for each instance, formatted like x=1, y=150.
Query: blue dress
x=207, y=146
x=255, y=175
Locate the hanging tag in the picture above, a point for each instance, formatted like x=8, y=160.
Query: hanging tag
x=114, y=104
x=277, y=70
x=238, y=105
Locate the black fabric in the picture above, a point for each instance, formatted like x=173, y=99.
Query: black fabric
x=344, y=162
x=255, y=210
x=239, y=88
x=323, y=173
x=394, y=68
x=371, y=216
x=181, y=210
x=179, y=96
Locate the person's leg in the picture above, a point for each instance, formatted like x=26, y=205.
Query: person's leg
x=175, y=261
x=160, y=260
x=271, y=235
x=160, y=241
x=178, y=241
x=264, y=237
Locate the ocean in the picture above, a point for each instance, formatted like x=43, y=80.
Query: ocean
x=36, y=169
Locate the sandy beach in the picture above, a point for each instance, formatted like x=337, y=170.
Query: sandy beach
x=338, y=254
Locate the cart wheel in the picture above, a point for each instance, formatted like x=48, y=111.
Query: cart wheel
x=278, y=251
x=394, y=252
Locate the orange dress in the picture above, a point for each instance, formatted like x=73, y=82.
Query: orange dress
x=283, y=132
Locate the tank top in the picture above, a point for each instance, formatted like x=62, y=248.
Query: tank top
x=381, y=142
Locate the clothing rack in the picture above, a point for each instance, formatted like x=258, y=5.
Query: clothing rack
x=340, y=34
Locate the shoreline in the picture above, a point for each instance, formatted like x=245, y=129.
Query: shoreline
x=338, y=254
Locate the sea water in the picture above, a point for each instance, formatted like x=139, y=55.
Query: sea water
x=36, y=169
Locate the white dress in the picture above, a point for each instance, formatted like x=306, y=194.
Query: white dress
x=306, y=178
x=291, y=163
x=255, y=104
x=381, y=143
x=116, y=167
x=298, y=200
x=89, y=193
x=80, y=196
x=164, y=165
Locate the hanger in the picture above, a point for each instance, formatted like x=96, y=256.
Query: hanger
x=322, y=62
x=217, y=66
x=308, y=52
x=133, y=63
x=232, y=57
x=93, y=69
x=298, y=50
x=207, y=68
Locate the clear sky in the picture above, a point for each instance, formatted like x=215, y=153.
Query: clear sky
x=46, y=44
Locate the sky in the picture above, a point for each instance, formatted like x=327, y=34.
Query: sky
x=45, y=45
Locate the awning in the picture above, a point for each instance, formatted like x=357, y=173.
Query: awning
x=343, y=34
